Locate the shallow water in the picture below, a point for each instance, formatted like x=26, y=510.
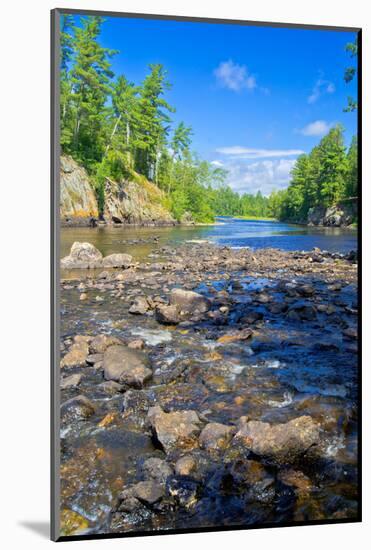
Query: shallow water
x=287, y=369
x=141, y=241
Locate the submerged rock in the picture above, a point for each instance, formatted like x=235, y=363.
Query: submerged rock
x=174, y=430
x=77, y=408
x=282, y=442
x=184, y=489
x=126, y=366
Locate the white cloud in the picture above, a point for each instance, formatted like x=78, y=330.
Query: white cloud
x=316, y=128
x=321, y=87
x=264, y=175
x=234, y=76
x=251, y=153
x=217, y=163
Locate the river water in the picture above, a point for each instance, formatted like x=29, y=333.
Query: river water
x=140, y=241
x=292, y=366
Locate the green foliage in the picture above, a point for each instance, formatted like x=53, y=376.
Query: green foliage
x=350, y=73
x=324, y=177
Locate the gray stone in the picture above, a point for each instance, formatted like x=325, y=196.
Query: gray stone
x=126, y=366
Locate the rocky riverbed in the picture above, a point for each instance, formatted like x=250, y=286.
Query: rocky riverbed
x=207, y=387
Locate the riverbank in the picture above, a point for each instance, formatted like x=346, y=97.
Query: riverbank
x=208, y=386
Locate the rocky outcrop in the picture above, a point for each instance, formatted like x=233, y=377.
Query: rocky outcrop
x=78, y=202
x=339, y=215
x=136, y=201
x=131, y=202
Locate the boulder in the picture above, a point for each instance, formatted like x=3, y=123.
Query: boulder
x=281, y=442
x=126, y=366
x=145, y=492
x=216, y=436
x=100, y=343
x=157, y=469
x=140, y=306
x=167, y=315
x=76, y=356
x=82, y=255
x=188, y=301
x=117, y=260
x=77, y=408
x=70, y=381
x=174, y=430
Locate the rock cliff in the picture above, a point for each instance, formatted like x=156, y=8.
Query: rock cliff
x=77, y=198
x=340, y=215
x=135, y=201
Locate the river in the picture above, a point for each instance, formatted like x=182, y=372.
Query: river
x=140, y=241
x=298, y=358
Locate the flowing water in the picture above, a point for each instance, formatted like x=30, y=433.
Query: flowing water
x=290, y=368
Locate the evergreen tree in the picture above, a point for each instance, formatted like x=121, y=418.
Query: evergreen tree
x=90, y=78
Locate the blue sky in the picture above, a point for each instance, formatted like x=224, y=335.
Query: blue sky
x=255, y=96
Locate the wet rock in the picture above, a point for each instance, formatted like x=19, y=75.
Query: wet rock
x=236, y=336
x=135, y=406
x=100, y=343
x=188, y=301
x=302, y=310
x=77, y=408
x=111, y=388
x=185, y=490
x=185, y=466
x=70, y=381
x=94, y=358
x=148, y=492
x=76, y=356
x=216, y=436
x=136, y=344
x=72, y=523
x=157, y=469
x=351, y=333
x=305, y=290
x=296, y=479
x=117, y=260
x=126, y=366
x=282, y=442
x=140, y=306
x=167, y=315
x=174, y=430
x=83, y=296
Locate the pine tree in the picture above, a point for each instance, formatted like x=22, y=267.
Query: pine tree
x=90, y=77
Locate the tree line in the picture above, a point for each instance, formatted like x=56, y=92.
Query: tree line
x=120, y=130
x=117, y=129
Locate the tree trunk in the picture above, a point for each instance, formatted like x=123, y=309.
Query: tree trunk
x=112, y=134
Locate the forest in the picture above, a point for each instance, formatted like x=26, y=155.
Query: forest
x=120, y=130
